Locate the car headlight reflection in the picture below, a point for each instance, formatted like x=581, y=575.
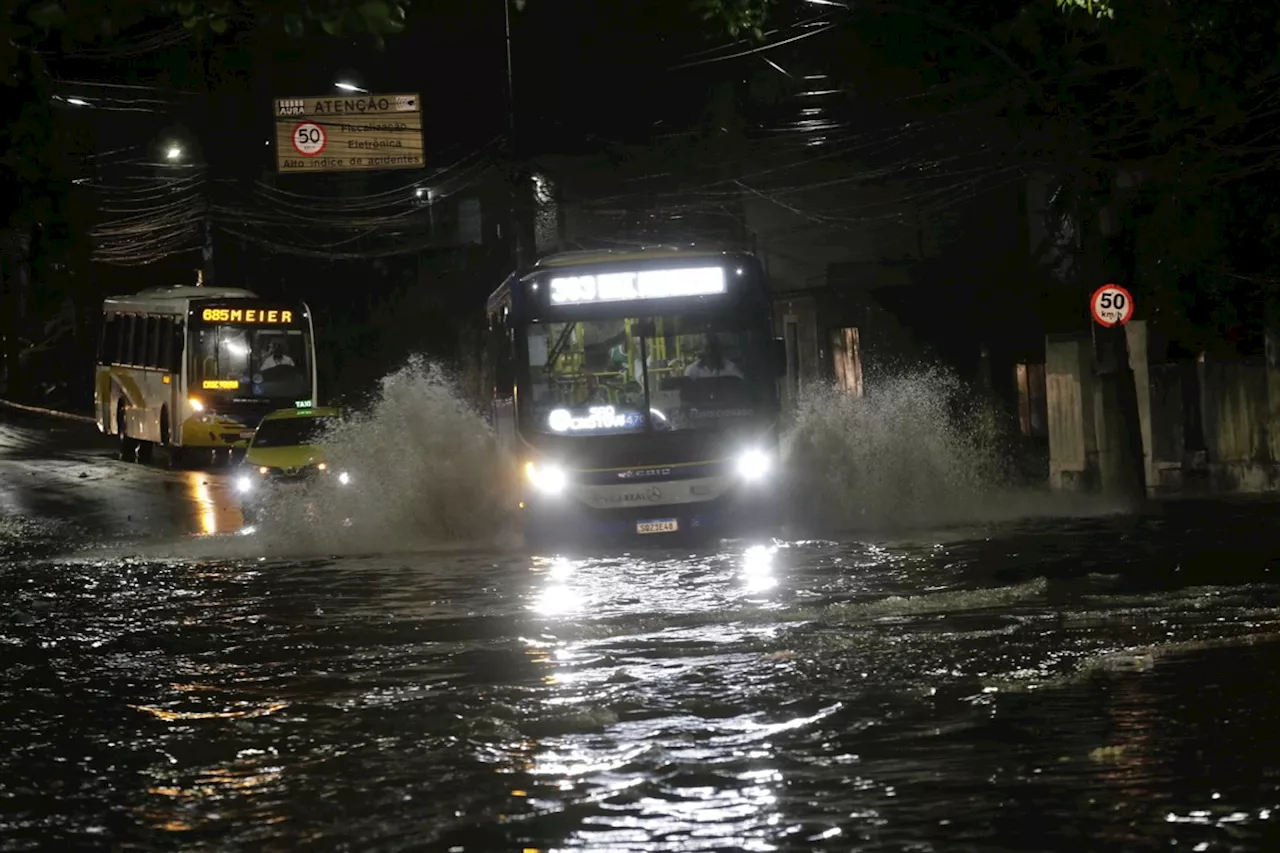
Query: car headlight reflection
x=754, y=465
x=547, y=478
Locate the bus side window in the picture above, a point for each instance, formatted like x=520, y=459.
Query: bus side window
x=165, y=355
x=115, y=346
x=107, y=343
x=140, y=341
x=130, y=334
x=153, y=342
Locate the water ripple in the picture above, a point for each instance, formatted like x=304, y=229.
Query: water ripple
x=940, y=694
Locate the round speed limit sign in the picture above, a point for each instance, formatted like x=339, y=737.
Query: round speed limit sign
x=309, y=139
x=1111, y=305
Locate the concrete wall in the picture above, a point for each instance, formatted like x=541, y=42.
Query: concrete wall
x=796, y=319
x=1069, y=397
x=1236, y=411
x=1167, y=448
x=1233, y=407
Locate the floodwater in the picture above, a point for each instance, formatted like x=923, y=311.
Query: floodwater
x=1085, y=683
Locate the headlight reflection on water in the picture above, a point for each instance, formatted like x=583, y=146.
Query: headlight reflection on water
x=757, y=568
x=556, y=598
x=206, y=509
x=585, y=747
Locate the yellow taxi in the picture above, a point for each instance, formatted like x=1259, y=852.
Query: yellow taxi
x=285, y=453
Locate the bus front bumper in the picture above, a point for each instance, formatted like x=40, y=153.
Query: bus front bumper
x=217, y=432
x=754, y=513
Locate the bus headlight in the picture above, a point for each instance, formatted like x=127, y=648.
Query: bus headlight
x=546, y=478
x=754, y=464
x=196, y=405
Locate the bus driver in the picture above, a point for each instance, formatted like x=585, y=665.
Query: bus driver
x=277, y=357
x=712, y=364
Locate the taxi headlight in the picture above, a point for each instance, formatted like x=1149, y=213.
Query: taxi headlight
x=547, y=478
x=344, y=478
x=754, y=465
x=244, y=483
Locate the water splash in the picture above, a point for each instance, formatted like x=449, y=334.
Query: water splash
x=921, y=448
x=422, y=469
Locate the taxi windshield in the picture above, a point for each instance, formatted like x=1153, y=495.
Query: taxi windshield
x=291, y=432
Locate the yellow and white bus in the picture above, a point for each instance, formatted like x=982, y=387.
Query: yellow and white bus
x=193, y=368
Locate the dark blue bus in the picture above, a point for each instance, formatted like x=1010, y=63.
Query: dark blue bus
x=639, y=392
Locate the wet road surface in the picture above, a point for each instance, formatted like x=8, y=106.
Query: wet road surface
x=1077, y=684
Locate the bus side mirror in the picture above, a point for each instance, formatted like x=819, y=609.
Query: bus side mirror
x=779, y=358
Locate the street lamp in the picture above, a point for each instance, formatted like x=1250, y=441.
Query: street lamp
x=349, y=87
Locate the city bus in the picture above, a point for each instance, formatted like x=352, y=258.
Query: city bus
x=639, y=393
x=194, y=369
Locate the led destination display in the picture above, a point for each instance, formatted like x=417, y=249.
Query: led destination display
x=645, y=284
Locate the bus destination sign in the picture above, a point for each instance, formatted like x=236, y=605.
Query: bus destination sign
x=644, y=284
x=249, y=316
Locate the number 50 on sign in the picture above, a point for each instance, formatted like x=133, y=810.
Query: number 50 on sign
x=1111, y=305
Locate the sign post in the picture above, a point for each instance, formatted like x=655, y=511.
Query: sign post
x=1120, y=447
x=355, y=133
x=1111, y=305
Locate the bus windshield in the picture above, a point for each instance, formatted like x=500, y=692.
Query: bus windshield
x=595, y=376
x=251, y=362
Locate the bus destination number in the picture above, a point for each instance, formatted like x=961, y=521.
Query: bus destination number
x=246, y=315
x=220, y=384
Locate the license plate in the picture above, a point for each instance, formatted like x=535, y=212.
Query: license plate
x=660, y=525
x=248, y=434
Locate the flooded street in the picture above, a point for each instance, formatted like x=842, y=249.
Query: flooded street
x=1079, y=684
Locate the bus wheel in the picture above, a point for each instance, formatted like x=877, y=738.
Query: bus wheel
x=145, y=450
x=128, y=448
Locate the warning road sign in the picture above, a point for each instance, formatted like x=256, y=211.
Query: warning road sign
x=1111, y=305
x=309, y=139
x=349, y=133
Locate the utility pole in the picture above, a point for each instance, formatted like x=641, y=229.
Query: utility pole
x=520, y=198
x=205, y=67
x=1121, y=464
